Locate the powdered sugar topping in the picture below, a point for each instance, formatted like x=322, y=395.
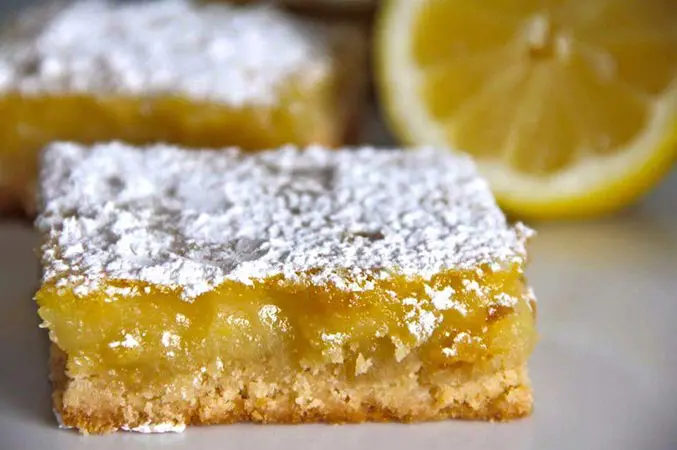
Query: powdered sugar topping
x=420, y=321
x=151, y=428
x=129, y=341
x=216, y=52
x=193, y=219
x=444, y=299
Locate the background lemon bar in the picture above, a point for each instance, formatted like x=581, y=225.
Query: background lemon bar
x=186, y=287
x=171, y=71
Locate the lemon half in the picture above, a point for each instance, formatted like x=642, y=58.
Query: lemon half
x=569, y=107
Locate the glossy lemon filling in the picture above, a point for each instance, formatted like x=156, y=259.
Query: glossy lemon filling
x=302, y=114
x=139, y=333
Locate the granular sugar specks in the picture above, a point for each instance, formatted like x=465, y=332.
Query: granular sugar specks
x=193, y=219
x=213, y=52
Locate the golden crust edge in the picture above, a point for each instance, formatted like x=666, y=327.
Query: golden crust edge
x=502, y=396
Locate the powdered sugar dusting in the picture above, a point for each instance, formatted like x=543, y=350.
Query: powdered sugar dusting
x=462, y=338
x=420, y=321
x=268, y=314
x=235, y=55
x=444, y=299
x=506, y=300
x=129, y=341
x=193, y=219
x=157, y=428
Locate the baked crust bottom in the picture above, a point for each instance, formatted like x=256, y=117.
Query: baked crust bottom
x=401, y=392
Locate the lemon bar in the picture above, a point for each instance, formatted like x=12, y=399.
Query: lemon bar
x=204, y=75
x=293, y=285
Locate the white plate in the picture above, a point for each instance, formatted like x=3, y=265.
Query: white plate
x=604, y=372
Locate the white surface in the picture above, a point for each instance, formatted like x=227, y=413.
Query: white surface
x=605, y=371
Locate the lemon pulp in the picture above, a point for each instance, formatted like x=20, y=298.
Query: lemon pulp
x=570, y=108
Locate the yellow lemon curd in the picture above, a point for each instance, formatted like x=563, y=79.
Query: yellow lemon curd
x=302, y=116
x=139, y=333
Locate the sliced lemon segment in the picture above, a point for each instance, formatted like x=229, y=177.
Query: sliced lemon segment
x=569, y=107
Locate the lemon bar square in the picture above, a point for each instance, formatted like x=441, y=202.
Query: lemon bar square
x=293, y=285
x=200, y=75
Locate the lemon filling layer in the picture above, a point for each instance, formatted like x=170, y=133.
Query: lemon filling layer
x=302, y=115
x=139, y=333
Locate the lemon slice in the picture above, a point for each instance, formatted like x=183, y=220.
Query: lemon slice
x=569, y=107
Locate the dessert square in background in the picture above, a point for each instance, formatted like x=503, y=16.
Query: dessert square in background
x=196, y=74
